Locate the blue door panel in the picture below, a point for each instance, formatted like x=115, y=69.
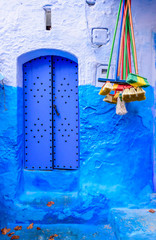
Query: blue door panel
x=38, y=114
x=66, y=125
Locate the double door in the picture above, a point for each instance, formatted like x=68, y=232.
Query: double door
x=51, y=114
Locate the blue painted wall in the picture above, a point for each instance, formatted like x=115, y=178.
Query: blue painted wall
x=116, y=163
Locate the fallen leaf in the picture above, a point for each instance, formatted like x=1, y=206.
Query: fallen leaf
x=51, y=238
x=38, y=228
x=5, y=230
x=55, y=235
x=30, y=226
x=17, y=228
x=10, y=234
x=49, y=204
x=15, y=237
x=151, y=211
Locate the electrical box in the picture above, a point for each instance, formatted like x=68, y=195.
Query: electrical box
x=100, y=36
x=101, y=72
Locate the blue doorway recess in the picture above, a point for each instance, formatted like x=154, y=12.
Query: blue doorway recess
x=51, y=113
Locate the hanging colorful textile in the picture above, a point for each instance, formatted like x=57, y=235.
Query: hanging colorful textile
x=126, y=83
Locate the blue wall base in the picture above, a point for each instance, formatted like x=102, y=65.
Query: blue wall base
x=116, y=164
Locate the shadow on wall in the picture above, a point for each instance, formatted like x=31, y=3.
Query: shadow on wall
x=116, y=162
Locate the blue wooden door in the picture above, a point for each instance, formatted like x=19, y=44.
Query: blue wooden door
x=66, y=123
x=51, y=113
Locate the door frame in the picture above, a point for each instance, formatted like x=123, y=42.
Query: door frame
x=25, y=57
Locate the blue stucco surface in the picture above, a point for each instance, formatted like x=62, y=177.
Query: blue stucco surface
x=135, y=224
x=116, y=164
x=117, y=151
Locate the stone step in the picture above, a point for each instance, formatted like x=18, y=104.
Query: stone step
x=64, y=232
x=134, y=224
x=67, y=208
x=40, y=199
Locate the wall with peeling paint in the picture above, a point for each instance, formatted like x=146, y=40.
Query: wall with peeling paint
x=116, y=153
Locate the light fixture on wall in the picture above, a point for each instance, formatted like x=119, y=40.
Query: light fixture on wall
x=47, y=9
x=91, y=2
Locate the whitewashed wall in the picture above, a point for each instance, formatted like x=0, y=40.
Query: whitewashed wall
x=22, y=29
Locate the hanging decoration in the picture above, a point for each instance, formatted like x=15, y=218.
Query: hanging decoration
x=127, y=86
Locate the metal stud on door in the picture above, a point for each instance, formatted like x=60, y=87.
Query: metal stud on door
x=65, y=113
x=38, y=114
